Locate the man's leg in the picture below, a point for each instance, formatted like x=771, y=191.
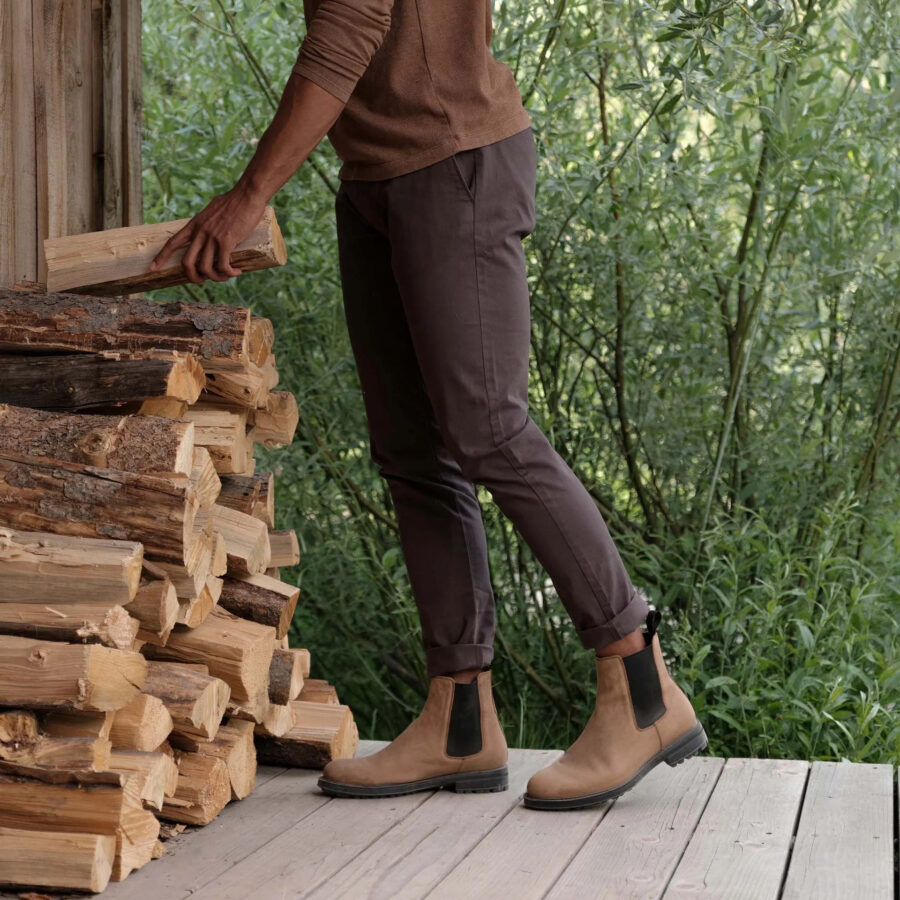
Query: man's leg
x=456, y=233
x=441, y=529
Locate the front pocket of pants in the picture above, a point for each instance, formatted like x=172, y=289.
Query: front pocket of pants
x=465, y=163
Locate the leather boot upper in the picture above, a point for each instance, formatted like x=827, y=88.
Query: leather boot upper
x=613, y=746
x=421, y=750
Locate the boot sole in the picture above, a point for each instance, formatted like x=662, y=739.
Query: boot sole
x=486, y=782
x=688, y=745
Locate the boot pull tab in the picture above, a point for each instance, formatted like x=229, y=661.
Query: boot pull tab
x=653, y=619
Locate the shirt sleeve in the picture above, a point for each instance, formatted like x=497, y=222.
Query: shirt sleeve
x=340, y=41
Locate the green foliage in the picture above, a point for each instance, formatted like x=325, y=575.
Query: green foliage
x=715, y=352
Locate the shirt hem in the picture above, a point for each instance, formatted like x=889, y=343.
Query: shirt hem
x=465, y=140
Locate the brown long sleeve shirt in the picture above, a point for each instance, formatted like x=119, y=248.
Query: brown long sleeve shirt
x=418, y=79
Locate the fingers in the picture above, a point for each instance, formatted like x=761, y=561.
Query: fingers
x=190, y=258
x=223, y=259
x=179, y=239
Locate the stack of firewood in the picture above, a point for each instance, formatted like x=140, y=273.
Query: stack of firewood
x=144, y=657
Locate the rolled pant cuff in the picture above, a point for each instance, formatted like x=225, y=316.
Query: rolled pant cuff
x=623, y=623
x=457, y=657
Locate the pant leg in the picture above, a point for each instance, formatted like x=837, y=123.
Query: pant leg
x=456, y=230
x=438, y=513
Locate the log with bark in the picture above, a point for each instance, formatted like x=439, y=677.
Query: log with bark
x=246, y=538
x=218, y=335
x=261, y=599
x=286, y=675
x=87, y=622
x=322, y=732
x=195, y=699
x=253, y=495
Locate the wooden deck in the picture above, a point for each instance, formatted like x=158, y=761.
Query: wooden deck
x=708, y=828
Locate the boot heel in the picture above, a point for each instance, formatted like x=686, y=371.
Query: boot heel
x=481, y=782
x=686, y=747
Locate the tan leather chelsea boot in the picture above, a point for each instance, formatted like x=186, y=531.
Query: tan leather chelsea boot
x=640, y=719
x=456, y=742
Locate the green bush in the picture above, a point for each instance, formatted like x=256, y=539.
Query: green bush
x=715, y=352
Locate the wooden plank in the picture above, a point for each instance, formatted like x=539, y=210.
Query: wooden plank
x=640, y=841
x=281, y=801
x=111, y=40
x=417, y=853
x=7, y=163
x=843, y=844
x=741, y=845
x=132, y=109
x=523, y=856
x=25, y=186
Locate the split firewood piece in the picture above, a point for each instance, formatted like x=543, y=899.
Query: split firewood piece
x=22, y=741
x=81, y=381
x=224, y=434
x=142, y=725
x=97, y=622
x=253, y=495
x=155, y=605
x=286, y=675
x=285, y=548
x=270, y=373
x=275, y=425
x=246, y=538
x=193, y=611
x=236, y=650
x=261, y=339
x=164, y=407
x=195, y=699
x=277, y=720
x=204, y=789
x=156, y=773
x=141, y=444
x=315, y=690
x=189, y=577
x=322, y=732
x=56, y=860
x=117, y=260
x=79, y=800
x=83, y=501
x=38, y=566
x=305, y=659
x=247, y=388
x=205, y=478
x=219, y=565
x=77, y=723
x=218, y=335
x=44, y=674
x=273, y=572
x=234, y=745
x=261, y=599
x=254, y=709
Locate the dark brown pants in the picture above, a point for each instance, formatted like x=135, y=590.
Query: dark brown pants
x=438, y=312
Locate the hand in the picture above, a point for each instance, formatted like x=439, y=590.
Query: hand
x=213, y=234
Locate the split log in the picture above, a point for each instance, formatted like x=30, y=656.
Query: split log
x=261, y=599
x=156, y=773
x=305, y=660
x=37, y=566
x=253, y=495
x=204, y=478
x=44, y=674
x=219, y=565
x=277, y=720
x=84, y=501
x=322, y=732
x=140, y=444
x=218, y=335
x=204, y=788
x=77, y=723
x=286, y=675
x=80, y=381
x=285, y=548
x=261, y=339
x=77, y=801
x=224, y=434
x=275, y=425
x=246, y=538
x=315, y=690
x=254, y=709
x=97, y=622
x=117, y=260
x=155, y=605
x=247, y=388
x=195, y=699
x=233, y=744
x=141, y=725
x=164, y=407
x=21, y=741
x=55, y=860
x=193, y=611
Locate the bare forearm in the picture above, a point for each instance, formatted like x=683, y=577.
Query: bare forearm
x=304, y=116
